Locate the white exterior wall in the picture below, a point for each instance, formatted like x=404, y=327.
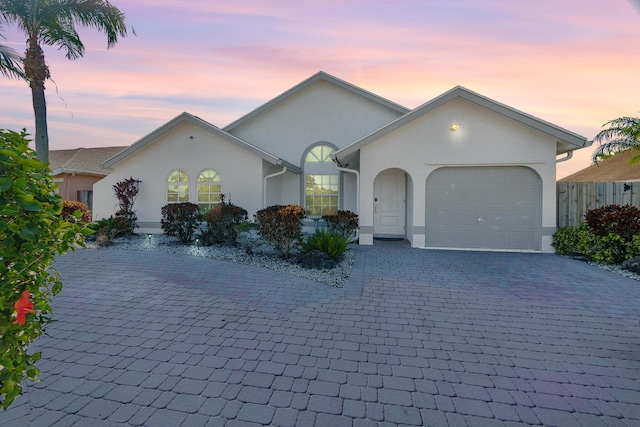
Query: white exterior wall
x=321, y=112
x=426, y=144
x=240, y=170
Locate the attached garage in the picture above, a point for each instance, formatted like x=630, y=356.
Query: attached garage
x=484, y=207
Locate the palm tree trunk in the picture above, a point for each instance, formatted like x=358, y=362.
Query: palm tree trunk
x=37, y=72
x=40, y=111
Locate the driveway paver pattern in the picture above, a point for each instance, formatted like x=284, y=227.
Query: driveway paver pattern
x=419, y=337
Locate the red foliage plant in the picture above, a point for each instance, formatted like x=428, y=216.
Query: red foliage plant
x=614, y=219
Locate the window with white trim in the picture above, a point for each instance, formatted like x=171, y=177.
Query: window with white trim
x=177, y=187
x=321, y=182
x=209, y=189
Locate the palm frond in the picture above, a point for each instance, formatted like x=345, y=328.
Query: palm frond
x=10, y=63
x=622, y=134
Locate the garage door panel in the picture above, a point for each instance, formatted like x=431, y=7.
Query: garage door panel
x=440, y=238
x=438, y=219
x=441, y=196
x=466, y=239
x=494, y=176
x=483, y=207
x=493, y=196
x=524, y=239
x=523, y=220
x=522, y=177
x=464, y=197
x=464, y=177
x=521, y=197
x=494, y=217
x=494, y=239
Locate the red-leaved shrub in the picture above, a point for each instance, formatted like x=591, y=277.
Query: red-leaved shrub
x=614, y=219
x=281, y=226
x=69, y=207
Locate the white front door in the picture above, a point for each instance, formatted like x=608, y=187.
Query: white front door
x=389, y=204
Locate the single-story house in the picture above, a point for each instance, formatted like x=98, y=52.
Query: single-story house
x=76, y=170
x=617, y=168
x=460, y=171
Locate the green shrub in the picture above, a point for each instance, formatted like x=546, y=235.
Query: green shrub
x=566, y=240
x=126, y=192
x=608, y=249
x=330, y=242
x=614, y=219
x=180, y=220
x=32, y=234
x=344, y=222
x=223, y=221
x=633, y=247
x=73, y=211
x=281, y=226
x=110, y=223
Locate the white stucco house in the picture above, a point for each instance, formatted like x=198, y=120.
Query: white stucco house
x=460, y=171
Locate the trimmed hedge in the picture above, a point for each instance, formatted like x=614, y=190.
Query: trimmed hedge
x=223, y=221
x=344, y=223
x=181, y=220
x=281, y=226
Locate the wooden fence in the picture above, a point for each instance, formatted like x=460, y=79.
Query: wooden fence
x=574, y=199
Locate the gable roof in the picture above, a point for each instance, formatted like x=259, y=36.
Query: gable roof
x=85, y=161
x=612, y=169
x=189, y=118
x=319, y=76
x=566, y=140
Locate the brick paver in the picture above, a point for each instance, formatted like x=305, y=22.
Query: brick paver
x=418, y=337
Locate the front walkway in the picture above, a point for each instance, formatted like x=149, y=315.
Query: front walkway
x=417, y=338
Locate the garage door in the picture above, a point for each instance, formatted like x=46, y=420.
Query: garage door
x=484, y=207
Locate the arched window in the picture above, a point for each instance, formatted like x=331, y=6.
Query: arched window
x=177, y=187
x=321, y=182
x=209, y=189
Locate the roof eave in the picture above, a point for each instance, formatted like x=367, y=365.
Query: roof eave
x=186, y=117
x=562, y=135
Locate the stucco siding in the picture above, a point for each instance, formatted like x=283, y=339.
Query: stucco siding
x=321, y=112
x=191, y=149
x=483, y=138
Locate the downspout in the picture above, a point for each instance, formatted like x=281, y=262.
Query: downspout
x=567, y=157
x=264, y=182
x=338, y=166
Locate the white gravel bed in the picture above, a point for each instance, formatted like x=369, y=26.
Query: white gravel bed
x=615, y=268
x=263, y=256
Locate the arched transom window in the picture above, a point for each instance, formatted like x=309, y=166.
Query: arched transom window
x=177, y=187
x=321, y=182
x=209, y=189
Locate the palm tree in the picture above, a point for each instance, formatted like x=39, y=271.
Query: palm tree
x=622, y=134
x=53, y=23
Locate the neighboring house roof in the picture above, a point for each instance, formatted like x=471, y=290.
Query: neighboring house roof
x=566, y=140
x=612, y=169
x=321, y=75
x=186, y=117
x=85, y=161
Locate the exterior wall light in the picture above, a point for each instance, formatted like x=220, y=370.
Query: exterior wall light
x=454, y=127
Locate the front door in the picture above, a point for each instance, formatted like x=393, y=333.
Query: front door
x=389, y=216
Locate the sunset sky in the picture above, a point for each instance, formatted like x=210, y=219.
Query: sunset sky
x=572, y=63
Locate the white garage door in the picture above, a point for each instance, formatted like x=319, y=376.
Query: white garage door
x=484, y=207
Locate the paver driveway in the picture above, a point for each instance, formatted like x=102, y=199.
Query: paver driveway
x=417, y=338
